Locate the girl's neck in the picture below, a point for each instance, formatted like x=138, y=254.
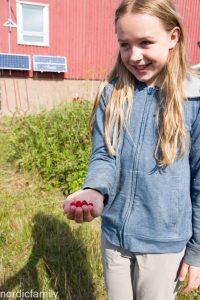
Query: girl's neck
x=155, y=85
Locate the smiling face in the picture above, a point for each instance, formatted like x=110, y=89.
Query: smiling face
x=144, y=46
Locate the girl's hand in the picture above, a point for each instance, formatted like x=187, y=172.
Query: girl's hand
x=86, y=213
x=193, y=278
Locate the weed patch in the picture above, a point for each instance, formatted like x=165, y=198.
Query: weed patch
x=57, y=144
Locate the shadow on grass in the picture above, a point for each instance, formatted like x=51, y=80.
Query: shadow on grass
x=58, y=260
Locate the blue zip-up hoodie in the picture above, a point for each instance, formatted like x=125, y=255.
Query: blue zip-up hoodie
x=149, y=209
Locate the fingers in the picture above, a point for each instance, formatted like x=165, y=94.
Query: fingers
x=82, y=214
x=66, y=205
x=78, y=214
x=70, y=213
x=87, y=216
x=183, y=271
x=193, y=279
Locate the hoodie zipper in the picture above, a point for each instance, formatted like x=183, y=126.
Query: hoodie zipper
x=150, y=91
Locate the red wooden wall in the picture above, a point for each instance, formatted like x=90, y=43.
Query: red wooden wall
x=190, y=12
x=83, y=31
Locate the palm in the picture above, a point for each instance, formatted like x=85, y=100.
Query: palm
x=85, y=213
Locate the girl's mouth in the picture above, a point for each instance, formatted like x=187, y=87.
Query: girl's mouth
x=142, y=67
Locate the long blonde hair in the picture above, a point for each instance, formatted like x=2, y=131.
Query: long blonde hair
x=172, y=134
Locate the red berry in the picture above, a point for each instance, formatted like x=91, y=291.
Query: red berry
x=73, y=204
x=84, y=202
x=78, y=204
x=90, y=204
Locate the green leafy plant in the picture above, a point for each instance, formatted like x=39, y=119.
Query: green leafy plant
x=56, y=143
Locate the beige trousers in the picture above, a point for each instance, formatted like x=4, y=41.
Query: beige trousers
x=136, y=276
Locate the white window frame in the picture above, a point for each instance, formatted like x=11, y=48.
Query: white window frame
x=20, y=32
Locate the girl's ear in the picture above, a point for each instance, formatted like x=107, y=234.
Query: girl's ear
x=174, y=37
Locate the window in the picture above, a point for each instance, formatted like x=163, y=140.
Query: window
x=32, y=23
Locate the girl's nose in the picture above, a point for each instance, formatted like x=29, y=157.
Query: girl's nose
x=136, y=54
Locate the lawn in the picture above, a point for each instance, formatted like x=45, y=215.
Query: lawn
x=40, y=250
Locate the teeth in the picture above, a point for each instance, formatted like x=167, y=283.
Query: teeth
x=140, y=67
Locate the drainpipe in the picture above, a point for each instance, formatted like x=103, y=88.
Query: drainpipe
x=10, y=24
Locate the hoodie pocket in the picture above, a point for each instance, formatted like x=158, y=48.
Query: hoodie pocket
x=156, y=209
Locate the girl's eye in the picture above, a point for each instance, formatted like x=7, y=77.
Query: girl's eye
x=124, y=45
x=145, y=43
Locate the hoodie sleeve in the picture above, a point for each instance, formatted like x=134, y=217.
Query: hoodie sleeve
x=192, y=254
x=102, y=166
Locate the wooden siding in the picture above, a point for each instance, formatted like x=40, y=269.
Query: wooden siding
x=190, y=12
x=83, y=31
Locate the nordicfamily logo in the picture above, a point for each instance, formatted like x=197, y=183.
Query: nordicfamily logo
x=21, y=294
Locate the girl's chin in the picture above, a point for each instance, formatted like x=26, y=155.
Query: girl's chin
x=151, y=77
x=145, y=74
x=144, y=78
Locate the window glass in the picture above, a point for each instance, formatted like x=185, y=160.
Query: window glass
x=31, y=38
x=32, y=18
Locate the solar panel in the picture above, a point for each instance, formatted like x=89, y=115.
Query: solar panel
x=14, y=61
x=43, y=63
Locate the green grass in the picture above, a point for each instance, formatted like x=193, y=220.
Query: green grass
x=56, y=143
x=39, y=248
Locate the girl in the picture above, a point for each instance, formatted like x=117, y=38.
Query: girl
x=144, y=173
